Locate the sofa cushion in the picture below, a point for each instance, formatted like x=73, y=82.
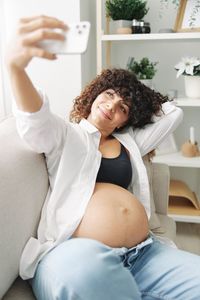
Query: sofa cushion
x=23, y=188
x=160, y=187
x=168, y=228
x=20, y=290
x=154, y=221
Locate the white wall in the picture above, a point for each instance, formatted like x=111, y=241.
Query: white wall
x=2, y=104
x=2, y=85
x=88, y=12
x=61, y=79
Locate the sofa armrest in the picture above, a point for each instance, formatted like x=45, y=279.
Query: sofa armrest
x=23, y=188
x=160, y=183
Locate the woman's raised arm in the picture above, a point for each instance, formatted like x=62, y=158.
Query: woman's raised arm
x=22, y=48
x=154, y=134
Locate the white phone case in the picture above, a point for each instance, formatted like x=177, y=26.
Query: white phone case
x=76, y=40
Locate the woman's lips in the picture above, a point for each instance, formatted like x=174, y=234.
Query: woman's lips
x=104, y=113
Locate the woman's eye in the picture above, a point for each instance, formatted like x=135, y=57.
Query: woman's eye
x=123, y=109
x=109, y=94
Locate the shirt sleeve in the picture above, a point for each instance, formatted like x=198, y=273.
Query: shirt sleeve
x=43, y=131
x=152, y=135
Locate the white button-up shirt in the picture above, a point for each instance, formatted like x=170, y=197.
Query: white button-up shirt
x=73, y=161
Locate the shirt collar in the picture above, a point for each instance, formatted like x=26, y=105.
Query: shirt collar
x=90, y=128
x=85, y=124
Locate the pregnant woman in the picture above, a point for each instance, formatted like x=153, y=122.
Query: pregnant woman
x=93, y=240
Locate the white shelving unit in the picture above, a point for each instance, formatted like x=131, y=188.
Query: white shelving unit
x=150, y=36
x=104, y=39
x=110, y=38
x=178, y=160
x=187, y=102
x=185, y=218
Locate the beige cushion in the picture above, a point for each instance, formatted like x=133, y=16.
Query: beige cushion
x=154, y=222
x=160, y=187
x=159, y=177
x=20, y=290
x=168, y=228
x=23, y=188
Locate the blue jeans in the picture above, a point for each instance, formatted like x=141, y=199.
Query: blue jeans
x=85, y=269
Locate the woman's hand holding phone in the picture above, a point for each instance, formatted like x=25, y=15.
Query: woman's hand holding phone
x=31, y=31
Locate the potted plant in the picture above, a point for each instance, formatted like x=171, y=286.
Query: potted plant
x=190, y=68
x=124, y=11
x=144, y=69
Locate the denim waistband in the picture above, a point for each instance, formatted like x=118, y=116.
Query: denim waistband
x=123, y=250
x=129, y=255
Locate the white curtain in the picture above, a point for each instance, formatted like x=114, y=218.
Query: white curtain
x=2, y=77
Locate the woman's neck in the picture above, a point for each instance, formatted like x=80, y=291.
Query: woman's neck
x=104, y=139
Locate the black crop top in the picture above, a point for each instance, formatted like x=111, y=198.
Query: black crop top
x=116, y=170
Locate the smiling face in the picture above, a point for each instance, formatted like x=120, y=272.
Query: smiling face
x=109, y=111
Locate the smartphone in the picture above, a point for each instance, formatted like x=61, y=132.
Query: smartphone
x=75, y=42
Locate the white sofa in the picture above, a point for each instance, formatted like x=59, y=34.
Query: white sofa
x=23, y=187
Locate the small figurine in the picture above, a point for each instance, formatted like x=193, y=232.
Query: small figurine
x=190, y=148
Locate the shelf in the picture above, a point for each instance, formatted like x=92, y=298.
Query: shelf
x=182, y=210
x=177, y=160
x=187, y=102
x=185, y=218
x=151, y=36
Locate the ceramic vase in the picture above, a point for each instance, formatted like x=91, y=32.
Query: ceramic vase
x=192, y=86
x=121, y=27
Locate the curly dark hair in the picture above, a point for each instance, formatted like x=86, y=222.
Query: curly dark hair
x=145, y=102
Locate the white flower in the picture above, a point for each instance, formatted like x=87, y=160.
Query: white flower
x=187, y=66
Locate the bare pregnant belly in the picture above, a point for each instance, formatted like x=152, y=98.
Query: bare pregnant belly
x=114, y=217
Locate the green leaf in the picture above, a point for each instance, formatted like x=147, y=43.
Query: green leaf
x=126, y=9
x=144, y=69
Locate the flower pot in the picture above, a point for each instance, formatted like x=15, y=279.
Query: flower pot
x=121, y=27
x=192, y=86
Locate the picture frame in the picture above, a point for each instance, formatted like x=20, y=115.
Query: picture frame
x=188, y=16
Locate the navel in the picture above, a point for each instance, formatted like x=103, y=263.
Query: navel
x=124, y=210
